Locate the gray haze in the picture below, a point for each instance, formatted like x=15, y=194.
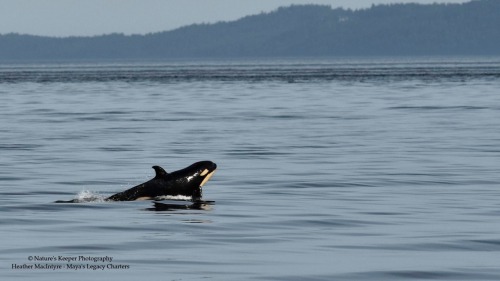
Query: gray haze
x=94, y=17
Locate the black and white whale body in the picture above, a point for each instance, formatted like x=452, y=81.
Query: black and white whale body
x=185, y=182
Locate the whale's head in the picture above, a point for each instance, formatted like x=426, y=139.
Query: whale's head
x=189, y=180
x=197, y=174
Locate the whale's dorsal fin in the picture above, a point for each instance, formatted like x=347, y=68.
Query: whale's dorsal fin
x=160, y=173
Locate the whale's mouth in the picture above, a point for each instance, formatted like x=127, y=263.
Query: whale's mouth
x=207, y=177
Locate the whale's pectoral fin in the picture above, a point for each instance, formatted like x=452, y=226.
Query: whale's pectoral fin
x=160, y=172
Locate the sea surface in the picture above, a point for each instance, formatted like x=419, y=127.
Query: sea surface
x=373, y=169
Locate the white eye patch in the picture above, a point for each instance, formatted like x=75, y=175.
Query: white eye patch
x=207, y=178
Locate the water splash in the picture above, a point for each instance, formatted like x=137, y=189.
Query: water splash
x=174, y=197
x=89, y=196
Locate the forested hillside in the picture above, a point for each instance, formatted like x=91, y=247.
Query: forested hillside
x=472, y=28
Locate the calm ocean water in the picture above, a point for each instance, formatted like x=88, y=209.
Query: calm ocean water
x=328, y=170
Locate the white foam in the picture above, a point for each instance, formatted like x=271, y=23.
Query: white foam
x=176, y=197
x=89, y=196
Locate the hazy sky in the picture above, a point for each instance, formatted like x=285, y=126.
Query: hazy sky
x=93, y=17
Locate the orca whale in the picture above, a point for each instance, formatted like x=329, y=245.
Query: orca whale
x=186, y=182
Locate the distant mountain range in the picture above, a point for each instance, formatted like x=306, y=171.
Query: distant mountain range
x=472, y=28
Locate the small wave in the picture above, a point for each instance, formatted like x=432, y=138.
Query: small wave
x=456, y=107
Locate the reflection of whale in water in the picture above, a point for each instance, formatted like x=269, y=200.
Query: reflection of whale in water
x=178, y=205
x=185, y=182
